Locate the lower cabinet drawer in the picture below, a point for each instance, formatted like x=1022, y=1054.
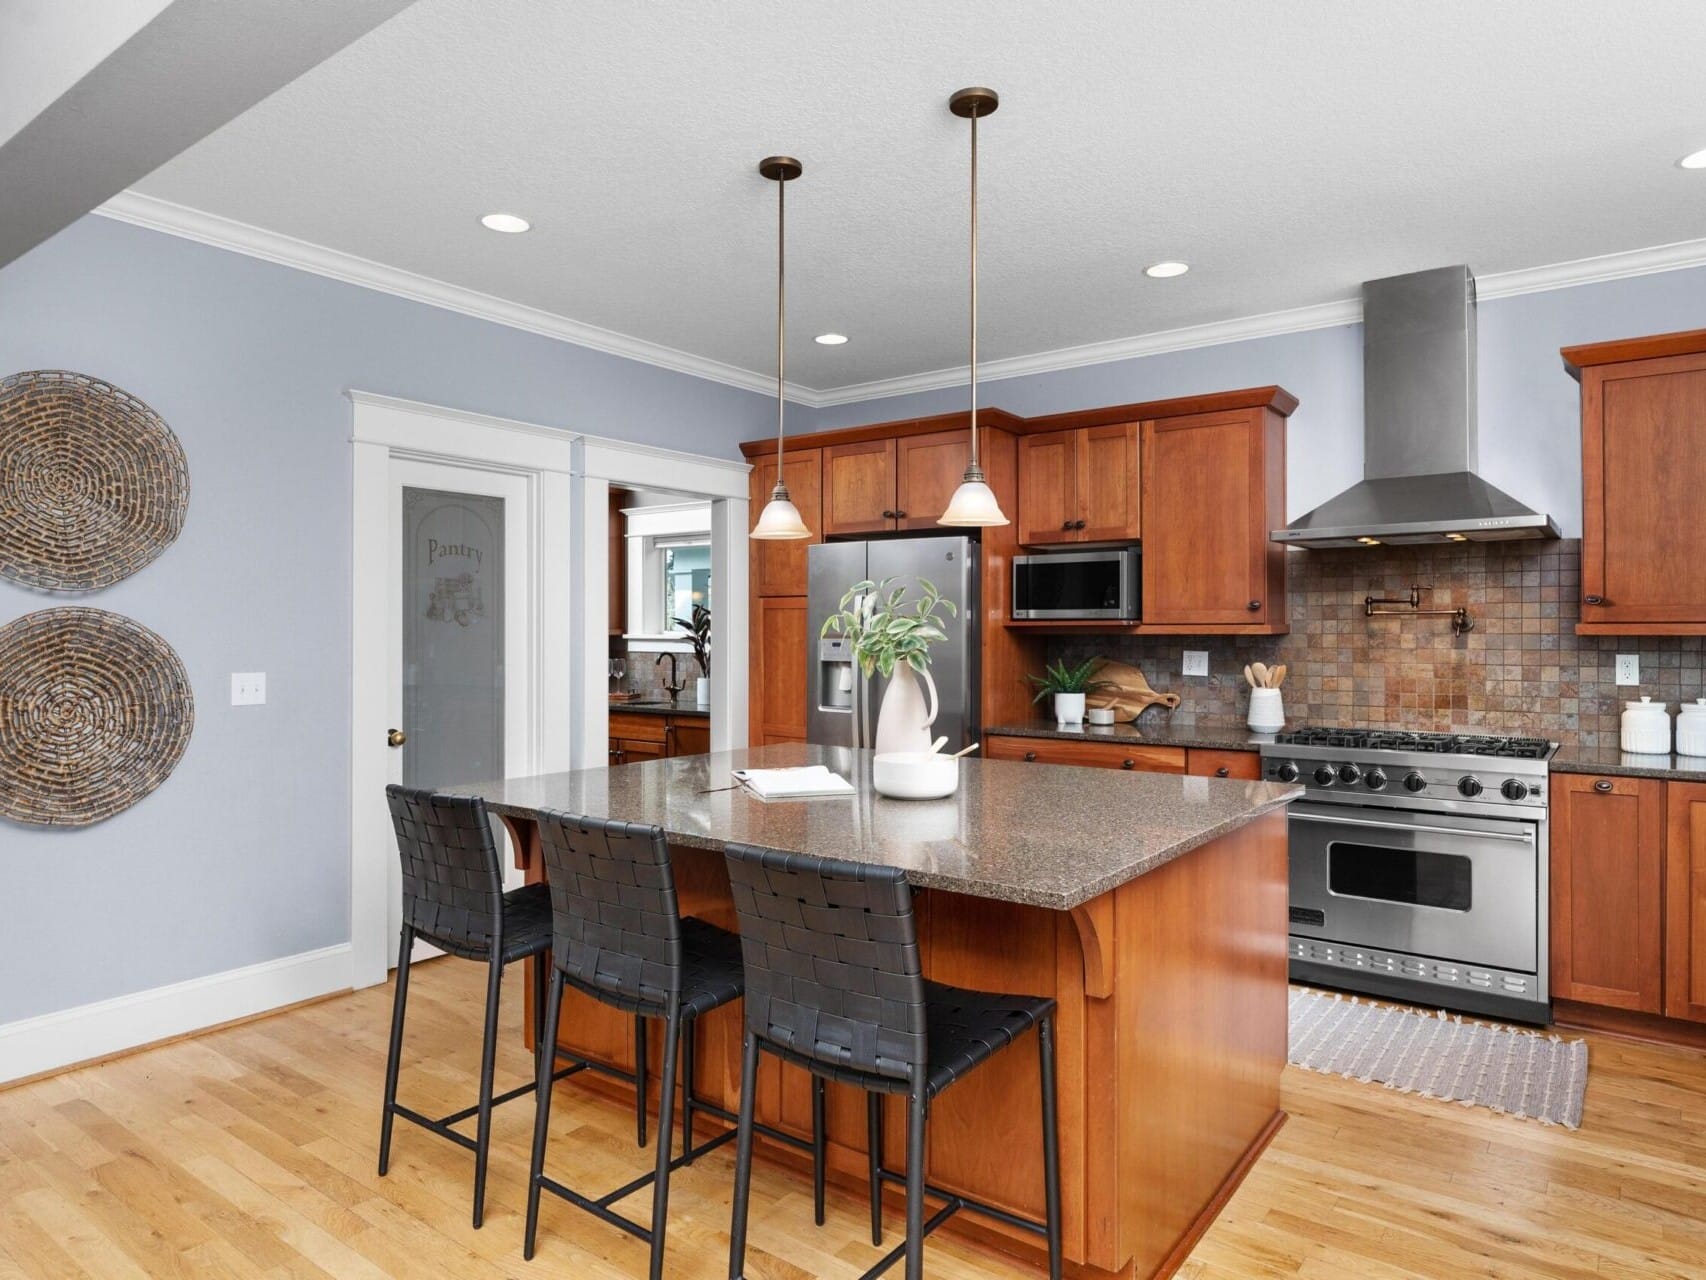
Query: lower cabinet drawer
x=1205, y=763
x=638, y=728
x=1095, y=755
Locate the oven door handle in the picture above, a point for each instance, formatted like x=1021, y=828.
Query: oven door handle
x=1526, y=837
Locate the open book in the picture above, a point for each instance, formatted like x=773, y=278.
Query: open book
x=794, y=784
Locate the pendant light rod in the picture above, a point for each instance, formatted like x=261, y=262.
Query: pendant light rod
x=970, y=104
x=780, y=518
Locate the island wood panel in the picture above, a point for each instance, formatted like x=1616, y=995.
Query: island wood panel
x=1167, y=1090
x=1107, y=485
x=1048, y=488
x=1685, y=901
x=777, y=692
x=858, y=488
x=1607, y=890
x=779, y=567
x=927, y=471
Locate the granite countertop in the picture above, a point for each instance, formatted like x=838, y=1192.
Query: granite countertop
x=1615, y=762
x=1218, y=733
x=662, y=707
x=1045, y=835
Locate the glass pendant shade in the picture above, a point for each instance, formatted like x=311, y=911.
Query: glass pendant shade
x=780, y=520
x=973, y=505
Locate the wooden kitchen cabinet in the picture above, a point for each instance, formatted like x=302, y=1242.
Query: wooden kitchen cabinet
x=1607, y=860
x=1643, y=462
x=779, y=568
x=1078, y=751
x=777, y=690
x=1213, y=488
x=858, y=488
x=927, y=471
x=1203, y=763
x=636, y=736
x=690, y=736
x=1685, y=901
x=1080, y=485
x=618, y=546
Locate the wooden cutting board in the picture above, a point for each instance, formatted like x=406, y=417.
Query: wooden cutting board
x=1131, y=694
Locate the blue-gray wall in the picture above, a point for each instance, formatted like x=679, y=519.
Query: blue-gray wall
x=242, y=856
x=1530, y=429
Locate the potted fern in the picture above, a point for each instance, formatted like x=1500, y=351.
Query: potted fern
x=891, y=636
x=1067, y=685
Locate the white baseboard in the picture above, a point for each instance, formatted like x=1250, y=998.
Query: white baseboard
x=31, y=1046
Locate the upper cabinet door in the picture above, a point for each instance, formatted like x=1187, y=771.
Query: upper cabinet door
x=858, y=488
x=928, y=469
x=1048, y=488
x=1206, y=521
x=1643, y=471
x=1108, y=505
x=779, y=568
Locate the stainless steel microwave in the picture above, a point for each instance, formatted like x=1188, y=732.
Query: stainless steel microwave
x=1067, y=585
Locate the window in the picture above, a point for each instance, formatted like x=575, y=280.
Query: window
x=686, y=580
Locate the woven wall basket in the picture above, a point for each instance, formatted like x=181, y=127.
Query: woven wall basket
x=95, y=712
x=93, y=484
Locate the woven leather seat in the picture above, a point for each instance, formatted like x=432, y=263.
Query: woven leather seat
x=963, y=1028
x=526, y=928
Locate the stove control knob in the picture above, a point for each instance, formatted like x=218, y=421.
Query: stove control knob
x=1325, y=777
x=1469, y=786
x=1414, y=781
x=1375, y=778
x=1350, y=775
x=1287, y=772
x=1514, y=789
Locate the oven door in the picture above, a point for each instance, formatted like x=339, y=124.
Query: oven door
x=1460, y=889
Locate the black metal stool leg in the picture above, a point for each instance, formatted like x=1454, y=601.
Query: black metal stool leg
x=488, y=1063
x=640, y=1082
x=666, y=1131
x=540, y=968
x=743, y=1157
x=1051, y=1146
x=818, y=1149
x=542, y=1110
x=687, y=1056
x=394, y=1059
x=874, y=1148
x=917, y=1111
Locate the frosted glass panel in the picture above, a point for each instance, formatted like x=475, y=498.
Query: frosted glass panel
x=453, y=637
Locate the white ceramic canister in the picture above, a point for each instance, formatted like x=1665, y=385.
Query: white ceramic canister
x=1646, y=728
x=1691, y=728
x=1267, y=712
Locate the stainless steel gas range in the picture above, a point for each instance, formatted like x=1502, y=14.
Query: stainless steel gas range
x=1419, y=866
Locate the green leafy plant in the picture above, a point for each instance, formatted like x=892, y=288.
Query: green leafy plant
x=698, y=635
x=886, y=629
x=1057, y=677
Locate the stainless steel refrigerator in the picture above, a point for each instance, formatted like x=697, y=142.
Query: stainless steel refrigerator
x=837, y=695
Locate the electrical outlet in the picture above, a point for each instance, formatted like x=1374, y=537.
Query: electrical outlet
x=248, y=688
x=1196, y=662
x=1628, y=668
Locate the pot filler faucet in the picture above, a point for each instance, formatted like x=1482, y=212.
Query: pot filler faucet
x=674, y=684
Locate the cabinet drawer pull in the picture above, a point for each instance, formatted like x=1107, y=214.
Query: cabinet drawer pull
x=1223, y=772
x=888, y=515
x=1602, y=786
x=1077, y=524
x=1254, y=606
x=1030, y=755
x=1065, y=525
x=899, y=515
x=1128, y=764
x=1593, y=599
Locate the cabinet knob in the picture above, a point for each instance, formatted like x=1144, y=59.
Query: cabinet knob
x=888, y=515
x=1065, y=525
x=1602, y=786
x=1077, y=524
x=1128, y=764
x=1030, y=755
x=1254, y=606
x=1593, y=599
x=1223, y=772
x=899, y=515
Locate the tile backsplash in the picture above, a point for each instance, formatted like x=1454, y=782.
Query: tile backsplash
x=1521, y=670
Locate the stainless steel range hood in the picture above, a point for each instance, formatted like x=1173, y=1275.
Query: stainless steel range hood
x=1419, y=431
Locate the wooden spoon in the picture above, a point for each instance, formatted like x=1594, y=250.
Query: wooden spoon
x=1248, y=675
x=1279, y=675
x=1261, y=671
x=965, y=751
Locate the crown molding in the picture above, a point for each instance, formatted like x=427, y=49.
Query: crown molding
x=270, y=246
x=226, y=233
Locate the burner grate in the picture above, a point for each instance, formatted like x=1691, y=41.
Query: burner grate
x=1428, y=743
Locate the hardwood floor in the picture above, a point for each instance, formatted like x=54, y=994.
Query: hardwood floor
x=250, y=1152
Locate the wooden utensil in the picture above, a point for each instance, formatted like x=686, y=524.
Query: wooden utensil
x=965, y=751
x=1261, y=671
x=1249, y=675
x=936, y=746
x=1278, y=675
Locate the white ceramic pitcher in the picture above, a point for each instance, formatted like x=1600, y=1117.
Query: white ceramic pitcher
x=903, y=724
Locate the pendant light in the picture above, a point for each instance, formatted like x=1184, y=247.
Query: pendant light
x=973, y=503
x=780, y=519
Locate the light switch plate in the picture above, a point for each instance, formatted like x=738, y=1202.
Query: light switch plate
x=1196, y=662
x=248, y=688
x=1628, y=668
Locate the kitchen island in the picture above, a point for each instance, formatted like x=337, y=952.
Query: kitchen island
x=1151, y=907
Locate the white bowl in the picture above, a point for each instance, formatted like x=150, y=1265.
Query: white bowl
x=914, y=775
x=1100, y=715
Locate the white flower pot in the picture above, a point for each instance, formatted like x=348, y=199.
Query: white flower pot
x=1069, y=708
x=702, y=690
x=903, y=723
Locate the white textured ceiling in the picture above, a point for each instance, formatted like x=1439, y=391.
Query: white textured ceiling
x=1286, y=150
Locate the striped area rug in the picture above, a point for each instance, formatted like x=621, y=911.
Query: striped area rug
x=1527, y=1074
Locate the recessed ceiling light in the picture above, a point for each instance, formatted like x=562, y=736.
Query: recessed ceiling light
x=1694, y=160
x=1164, y=270
x=507, y=223
x=830, y=339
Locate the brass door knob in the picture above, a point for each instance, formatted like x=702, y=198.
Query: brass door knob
x=395, y=737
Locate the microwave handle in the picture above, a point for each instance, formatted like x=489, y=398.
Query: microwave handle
x=1524, y=838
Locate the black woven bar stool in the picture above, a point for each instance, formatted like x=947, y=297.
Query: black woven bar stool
x=619, y=936
x=834, y=985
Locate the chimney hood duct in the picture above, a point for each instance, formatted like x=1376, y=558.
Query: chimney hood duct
x=1419, y=433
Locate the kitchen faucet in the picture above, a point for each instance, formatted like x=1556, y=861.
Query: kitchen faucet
x=674, y=684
